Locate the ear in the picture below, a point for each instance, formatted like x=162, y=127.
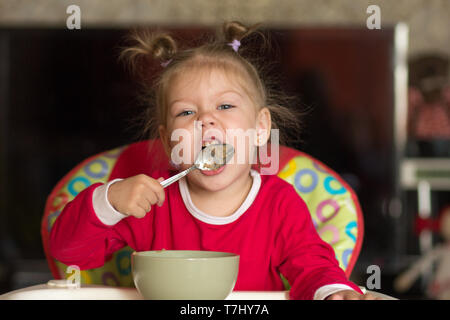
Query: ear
x=165, y=139
x=263, y=126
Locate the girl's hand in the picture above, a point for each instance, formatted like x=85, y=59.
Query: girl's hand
x=135, y=196
x=351, y=295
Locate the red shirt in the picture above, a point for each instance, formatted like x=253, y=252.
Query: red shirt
x=275, y=234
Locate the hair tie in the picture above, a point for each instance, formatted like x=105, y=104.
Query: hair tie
x=235, y=44
x=166, y=63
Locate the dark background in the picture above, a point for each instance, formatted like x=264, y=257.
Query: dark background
x=64, y=97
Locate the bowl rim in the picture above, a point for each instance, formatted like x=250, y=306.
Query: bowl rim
x=148, y=253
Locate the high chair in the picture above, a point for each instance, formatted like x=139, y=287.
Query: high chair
x=334, y=206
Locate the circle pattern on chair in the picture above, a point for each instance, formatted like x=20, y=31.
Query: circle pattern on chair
x=320, y=208
x=308, y=173
x=97, y=168
x=77, y=184
x=328, y=185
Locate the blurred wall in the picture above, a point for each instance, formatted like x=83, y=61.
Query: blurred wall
x=428, y=19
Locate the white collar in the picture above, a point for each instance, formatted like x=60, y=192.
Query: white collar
x=202, y=216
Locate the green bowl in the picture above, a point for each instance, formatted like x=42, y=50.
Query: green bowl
x=184, y=274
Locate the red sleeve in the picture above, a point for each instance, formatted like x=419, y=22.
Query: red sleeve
x=79, y=238
x=306, y=260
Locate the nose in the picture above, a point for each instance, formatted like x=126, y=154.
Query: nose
x=207, y=120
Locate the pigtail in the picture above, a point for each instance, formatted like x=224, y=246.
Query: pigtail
x=248, y=38
x=254, y=46
x=143, y=53
x=235, y=30
x=145, y=46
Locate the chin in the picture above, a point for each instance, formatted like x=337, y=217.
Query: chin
x=217, y=181
x=212, y=182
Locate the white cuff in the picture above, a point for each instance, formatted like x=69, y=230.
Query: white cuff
x=103, y=209
x=323, y=292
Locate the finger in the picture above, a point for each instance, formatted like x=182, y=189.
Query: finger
x=159, y=191
x=369, y=296
x=156, y=187
x=374, y=297
x=353, y=296
x=139, y=212
x=150, y=196
x=145, y=204
x=336, y=296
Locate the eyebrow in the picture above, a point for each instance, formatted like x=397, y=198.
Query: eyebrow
x=219, y=94
x=228, y=91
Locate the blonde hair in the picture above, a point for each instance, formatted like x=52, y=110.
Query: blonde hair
x=146, y=47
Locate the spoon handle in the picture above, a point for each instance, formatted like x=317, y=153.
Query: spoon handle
x=176, y=177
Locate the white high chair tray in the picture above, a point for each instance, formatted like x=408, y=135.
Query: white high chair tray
x=97, y=292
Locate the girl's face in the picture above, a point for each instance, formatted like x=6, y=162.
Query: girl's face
x=205, y=106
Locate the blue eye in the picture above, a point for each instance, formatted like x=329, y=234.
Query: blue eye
x=225, y=106
x=185, y=113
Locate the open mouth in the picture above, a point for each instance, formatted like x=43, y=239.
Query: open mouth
x=208, y=142
x=213, y=172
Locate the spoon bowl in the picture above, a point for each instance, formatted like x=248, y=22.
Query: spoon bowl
x=214, y=156
x=211, y=157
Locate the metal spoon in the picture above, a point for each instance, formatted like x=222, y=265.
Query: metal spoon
x=212, y=157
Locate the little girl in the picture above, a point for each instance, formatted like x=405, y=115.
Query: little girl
x=206, y=93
